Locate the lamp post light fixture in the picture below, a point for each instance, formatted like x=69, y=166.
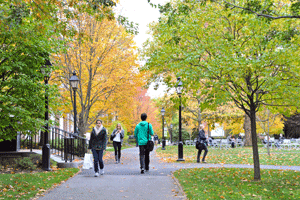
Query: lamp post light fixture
x=46, y=70
x=163, y=135
x=74, y=81
x=180, y=144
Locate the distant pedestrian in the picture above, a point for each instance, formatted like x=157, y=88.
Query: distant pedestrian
x=117, y=136
x=240, y=137
x=142, y=134
x=280, y=141
x=203, y=144
x=232, y=141
x=98, y=145
x=156, y=139
x=281, y=138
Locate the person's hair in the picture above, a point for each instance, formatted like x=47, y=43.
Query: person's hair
x=98, y=120
x=143, y=116
x=118, y=125
x=202, y=126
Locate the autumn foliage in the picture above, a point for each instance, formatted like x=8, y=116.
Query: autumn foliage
x=144, y=104
x=103, y=55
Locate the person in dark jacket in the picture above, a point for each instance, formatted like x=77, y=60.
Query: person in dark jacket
x=117, y=136
x=203, y=144
x=97, y=143
x=141, y=134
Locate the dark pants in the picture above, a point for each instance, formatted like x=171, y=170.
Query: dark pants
x=144, y=157
x=98, y=159
x=203, y=147
x=117, y=147
x=232, y=145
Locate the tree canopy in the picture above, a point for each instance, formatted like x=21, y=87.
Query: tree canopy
x=24, y=49
x=103, y=54
x=237, y=56
x=30, y=34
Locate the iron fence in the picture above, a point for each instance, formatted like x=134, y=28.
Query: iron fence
x=62, y=143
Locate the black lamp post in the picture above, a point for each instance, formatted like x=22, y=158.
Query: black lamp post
x=180, y=144
x=74, y=81
x=46, y=70
x=163, y=135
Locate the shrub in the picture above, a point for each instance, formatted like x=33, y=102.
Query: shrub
x=6, y=163
x=37, y=160
x=25, y=163
x=32, y=162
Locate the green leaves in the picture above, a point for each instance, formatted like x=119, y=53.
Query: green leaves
x=129, y=26
x=22, y=90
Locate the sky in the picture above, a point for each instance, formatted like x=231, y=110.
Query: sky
x=141, y=12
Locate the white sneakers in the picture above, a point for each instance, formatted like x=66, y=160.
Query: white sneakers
x=101, y=172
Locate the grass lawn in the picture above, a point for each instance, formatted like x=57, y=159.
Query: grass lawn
x=233, y=183
x=29, y=185
x=233, y=155
x=236, y=183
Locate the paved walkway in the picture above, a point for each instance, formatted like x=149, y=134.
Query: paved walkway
x=124, y=181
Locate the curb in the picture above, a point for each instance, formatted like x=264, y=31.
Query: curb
x=53, y=186
x=179, y=186
x=69, y=164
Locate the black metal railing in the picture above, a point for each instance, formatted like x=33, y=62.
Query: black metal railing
x=30, y=142
x=67, y=145
x=62, y=143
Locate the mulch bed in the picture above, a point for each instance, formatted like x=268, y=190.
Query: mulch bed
x=9, y=170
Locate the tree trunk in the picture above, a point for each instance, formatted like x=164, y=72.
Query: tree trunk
x=268, y=134
x=254, y=144
x=170, y=134
x=247, y=129
x=83, y=123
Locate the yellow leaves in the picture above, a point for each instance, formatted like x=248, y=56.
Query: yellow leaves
x=104, y=57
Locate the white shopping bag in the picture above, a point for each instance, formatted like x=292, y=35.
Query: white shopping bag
x=88, y=161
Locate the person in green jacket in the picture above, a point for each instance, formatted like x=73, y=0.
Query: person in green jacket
x=141, y=135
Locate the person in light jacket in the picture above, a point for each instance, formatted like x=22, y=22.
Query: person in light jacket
x=118, y=135
x=97, y=143
x=141, y=134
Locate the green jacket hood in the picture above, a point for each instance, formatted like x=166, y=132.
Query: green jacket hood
x=143, y=123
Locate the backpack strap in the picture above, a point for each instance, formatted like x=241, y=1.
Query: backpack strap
x=148, y=132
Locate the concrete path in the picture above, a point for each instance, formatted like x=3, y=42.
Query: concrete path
x=121, y=181
x=124, y=181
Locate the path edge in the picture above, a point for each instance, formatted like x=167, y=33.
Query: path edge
x=54, y=186
x=179, y=186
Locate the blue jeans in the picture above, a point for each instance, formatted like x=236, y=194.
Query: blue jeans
x=98, y=159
